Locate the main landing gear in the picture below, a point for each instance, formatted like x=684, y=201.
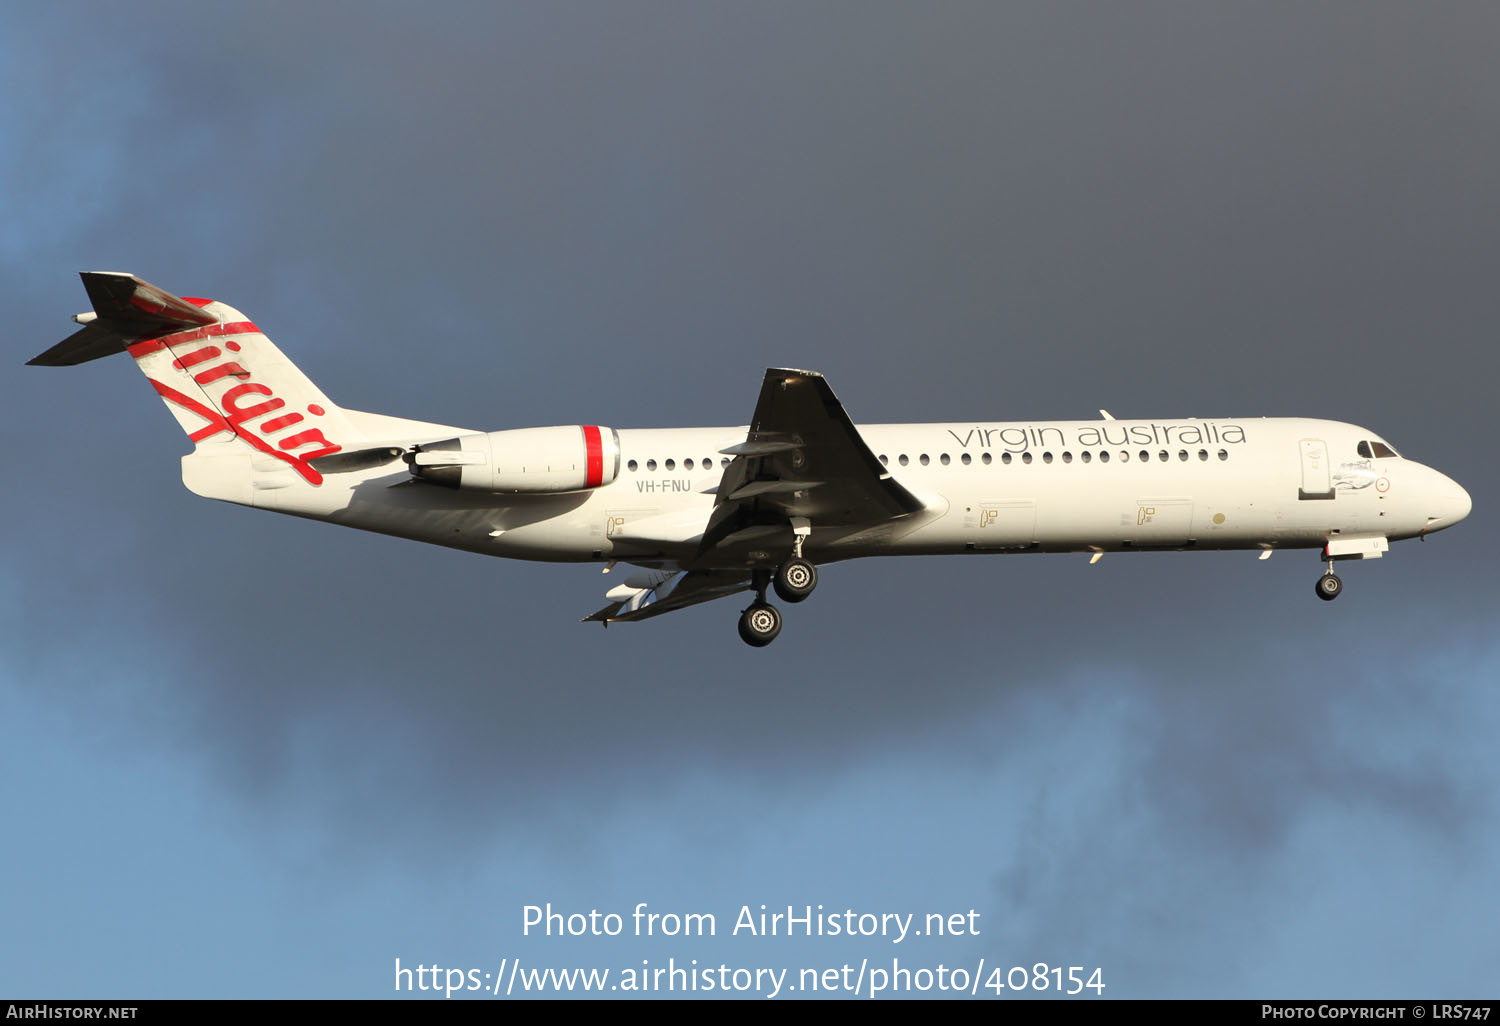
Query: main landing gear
x=793, y=580
x=761, y=621
x=760, y=624
x=1329, y=587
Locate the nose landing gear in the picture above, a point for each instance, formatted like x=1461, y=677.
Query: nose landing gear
x=1329, y=587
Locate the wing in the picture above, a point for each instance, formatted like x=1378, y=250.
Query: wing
x=802, y=458
x=675, y=591
x=801, y=468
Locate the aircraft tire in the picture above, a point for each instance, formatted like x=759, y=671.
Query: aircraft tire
x=795, y=580
x=760, y=624
x=1329, y=587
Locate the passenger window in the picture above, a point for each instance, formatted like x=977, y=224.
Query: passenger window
x=966, y=459
x=1182, y=455
x=632, y=465
x=1223, y=454
x=1005, y=458
x=1085, y=455
x=1145, y=456
x=883, y=461
x=1124, y=456
x=1164, y=455
x=1067, y=457
x=923, y=459
x=671, y=464
x=1046, y=457
x=1025, y=457
x=687, y=464
x=943, y=459
x=650, y=464
x=1203, y=454
x=985, y=459
x=902, y=459
x=1104, y=456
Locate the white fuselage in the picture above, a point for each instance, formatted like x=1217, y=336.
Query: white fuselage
x=987, y=487
x=712, y=512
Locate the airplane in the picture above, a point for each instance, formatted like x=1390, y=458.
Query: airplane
x=704, y=513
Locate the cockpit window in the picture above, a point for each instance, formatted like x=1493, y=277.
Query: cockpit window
x=1377, y=451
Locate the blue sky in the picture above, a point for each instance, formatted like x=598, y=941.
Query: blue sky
x=245, y=755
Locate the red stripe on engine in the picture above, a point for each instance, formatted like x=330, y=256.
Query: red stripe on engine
x=594, y=476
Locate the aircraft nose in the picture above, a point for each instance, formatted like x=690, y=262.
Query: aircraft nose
x=1450, y=503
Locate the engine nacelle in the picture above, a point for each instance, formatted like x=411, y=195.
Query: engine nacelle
x=550, y=459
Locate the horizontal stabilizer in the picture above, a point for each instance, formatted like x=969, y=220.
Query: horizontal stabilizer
x=91, y=343
x=127, y=309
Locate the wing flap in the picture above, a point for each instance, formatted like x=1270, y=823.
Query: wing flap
x=678, y=592
x=770, y=487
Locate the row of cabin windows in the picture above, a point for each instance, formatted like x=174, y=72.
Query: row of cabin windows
x=985, y=458
x=1367, y=449
x=1067, y=457
x=687, y=464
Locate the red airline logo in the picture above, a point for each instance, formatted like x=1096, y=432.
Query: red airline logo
x=242, y=403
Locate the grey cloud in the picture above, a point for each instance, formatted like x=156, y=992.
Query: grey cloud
x=498, y=216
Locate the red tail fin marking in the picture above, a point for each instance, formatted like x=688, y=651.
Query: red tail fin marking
x=237, y=421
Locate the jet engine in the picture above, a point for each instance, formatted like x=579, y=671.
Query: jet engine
x=543, y=460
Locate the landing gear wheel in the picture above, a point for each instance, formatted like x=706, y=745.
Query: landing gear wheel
x=760, y=624
x=795, y=580
x=1329, y=587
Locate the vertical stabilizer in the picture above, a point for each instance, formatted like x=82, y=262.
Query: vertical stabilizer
x=223, y=380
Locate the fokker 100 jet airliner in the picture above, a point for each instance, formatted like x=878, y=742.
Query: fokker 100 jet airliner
x=708, y=512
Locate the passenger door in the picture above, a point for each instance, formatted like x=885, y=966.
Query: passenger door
x=1317, y=477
